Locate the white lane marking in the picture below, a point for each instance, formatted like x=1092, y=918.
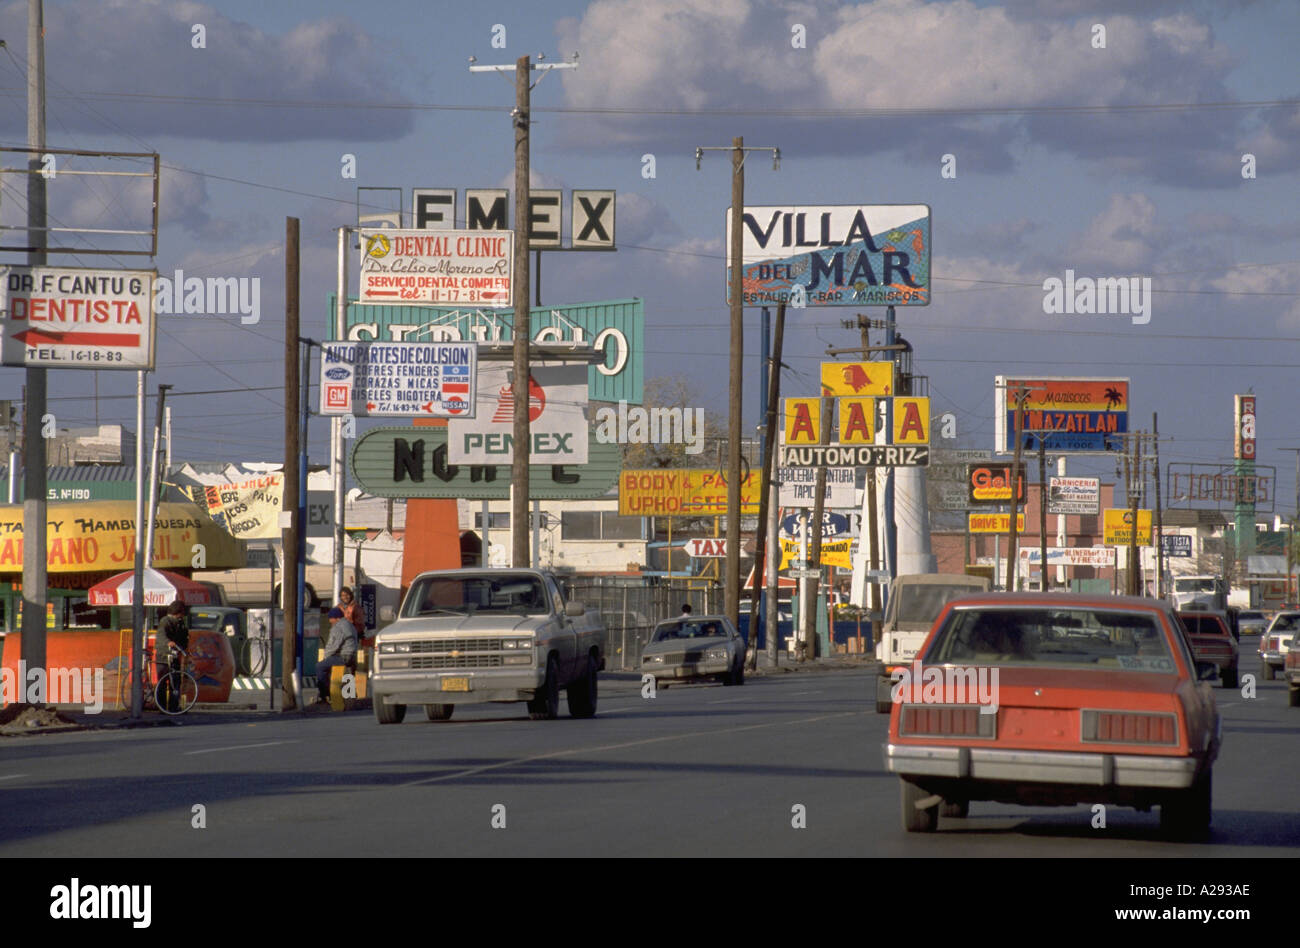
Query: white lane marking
x=817, y=692
x=217, y=750
x=728, y=700
x=607, y=747
x=12, y=776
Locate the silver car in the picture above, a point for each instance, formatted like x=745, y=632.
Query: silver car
x=1251, y=622
x=694, y=647
x=1274, y=643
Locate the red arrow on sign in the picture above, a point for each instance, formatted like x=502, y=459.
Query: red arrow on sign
x=427, y=406
x=34, y=337
x=370, y=406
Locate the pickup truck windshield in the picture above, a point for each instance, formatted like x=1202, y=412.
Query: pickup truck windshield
x=519, y=594
x=924, y=601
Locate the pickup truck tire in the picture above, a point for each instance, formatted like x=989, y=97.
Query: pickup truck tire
x=1293, y=698
x=1230, y=677
x=917, y=821
x=389, y=713
x=1266, y=671
x=439, y=712
x=582, y=693
x=1186, y=814
x=546, y=705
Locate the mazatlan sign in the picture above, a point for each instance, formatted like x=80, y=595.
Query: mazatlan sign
x=835, y=255
x=1085, y=415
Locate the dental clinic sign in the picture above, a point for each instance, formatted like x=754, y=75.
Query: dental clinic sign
x=458, y=267
x=557, y=417
x=835, y=255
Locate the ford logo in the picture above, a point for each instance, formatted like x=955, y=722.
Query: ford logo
x=337, y=374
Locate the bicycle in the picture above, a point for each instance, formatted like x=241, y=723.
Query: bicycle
x=176, y=682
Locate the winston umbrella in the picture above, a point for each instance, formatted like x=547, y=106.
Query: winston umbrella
x=160, y=589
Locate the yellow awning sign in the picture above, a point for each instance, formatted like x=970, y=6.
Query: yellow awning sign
x=93, y=536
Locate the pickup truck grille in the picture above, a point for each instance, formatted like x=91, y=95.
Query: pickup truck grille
x=456, y=661
x=444, y=646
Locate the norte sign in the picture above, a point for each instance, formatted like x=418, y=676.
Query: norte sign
x=834, y=255
x=75, y=318
x=412, y=462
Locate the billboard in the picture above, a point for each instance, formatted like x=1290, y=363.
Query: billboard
x=1243, y=438
x=1074, y=495
x=798, y=487
x=615, y=328
x=990, y=484
x=415, y=379
x=557, y=415
x=77, y=318
x=834, y=255
x=857, y=379
x=994, y=522
x=1117, y=529
x=1220, y=486
x=457, y=267
x=1070, y=556
x=682, y=492
x=1085, y=415
x=1176, y=544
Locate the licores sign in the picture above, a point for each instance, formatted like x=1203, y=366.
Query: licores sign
x=77, y=318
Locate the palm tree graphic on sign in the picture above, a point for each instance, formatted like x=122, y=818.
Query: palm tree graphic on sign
x=1113, y=397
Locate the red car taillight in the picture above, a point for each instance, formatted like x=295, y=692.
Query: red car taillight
x=938, y=720
x=1124, y=727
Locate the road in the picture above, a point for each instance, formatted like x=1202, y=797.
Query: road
x=698, y=770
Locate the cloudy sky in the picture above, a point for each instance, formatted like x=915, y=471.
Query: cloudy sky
x=1117, y=160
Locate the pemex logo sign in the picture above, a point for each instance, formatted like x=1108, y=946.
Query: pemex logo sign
x=505, y=413
x=557, y=414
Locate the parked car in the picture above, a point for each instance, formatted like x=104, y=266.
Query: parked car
x=1211, y=641
x=1093, y=699
x=1273, y=644
x=694, y=647
x=1291, y=671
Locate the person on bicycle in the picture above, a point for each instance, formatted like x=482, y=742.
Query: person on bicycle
x=173, y=633
x=340, y=649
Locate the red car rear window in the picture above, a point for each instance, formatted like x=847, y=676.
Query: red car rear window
x=1203, y=625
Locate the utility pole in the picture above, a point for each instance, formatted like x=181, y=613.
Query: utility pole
x=289, y=530
x=1290, y=545
x=765, y=551
x=1021, y=394
x=1134, y=482
x=337, y=463
x=736, y=363
x=153, y=473
x=1159, y=536
x=521, y=328
x=34, y=480
x=1042, y=511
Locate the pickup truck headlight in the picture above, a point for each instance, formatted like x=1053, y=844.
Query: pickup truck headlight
x=518, y=660
x=653, y=660
x=391, y=663
x=386, y=648
x=716, y=655
x=517, y=643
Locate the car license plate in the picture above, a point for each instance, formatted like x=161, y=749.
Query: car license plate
x=455, y=684
x=682, y=672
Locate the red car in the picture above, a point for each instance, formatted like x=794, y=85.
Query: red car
x=1055, y=699
x=1212, y=641
x=1291, y=671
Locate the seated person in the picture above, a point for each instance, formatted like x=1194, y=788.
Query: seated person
x=711, y=630
x=340, y=649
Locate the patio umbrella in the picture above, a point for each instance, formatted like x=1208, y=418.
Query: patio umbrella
x=160, y=588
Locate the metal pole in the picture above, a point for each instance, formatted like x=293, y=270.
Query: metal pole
x=735, y=381
x=1134, y=482
x=137, y=589
x=537, y=534
x=337, y=468
x=521, y=330
x=167, y=437
x=299, y=607
x=1042, y=511
x=890, y=562
x=153, y=476
x=487, y=544
x=1160, y=526
x=34, y=477
x=292, y=432
x=815, y=552
x=764, y=557
x=1021, y=395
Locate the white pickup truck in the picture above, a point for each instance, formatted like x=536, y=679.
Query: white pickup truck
x=468, y=636
x=914, y=603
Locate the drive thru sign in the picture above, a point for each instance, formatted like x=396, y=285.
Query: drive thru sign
x=76, y=318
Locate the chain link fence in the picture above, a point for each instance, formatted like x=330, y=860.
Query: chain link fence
x=630, y=609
